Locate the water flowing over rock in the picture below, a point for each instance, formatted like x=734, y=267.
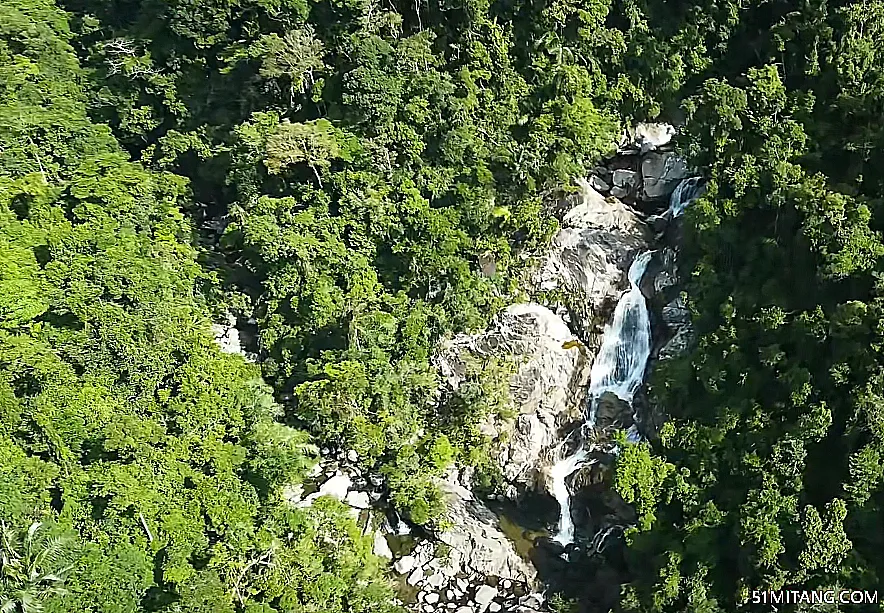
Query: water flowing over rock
x=646, y=171
x=620, y=365
x=586, y=264
x=678, y=333
x=589, y=254
x=619, y=370
x=559, y=474
x=685, y=192
x=546, y=390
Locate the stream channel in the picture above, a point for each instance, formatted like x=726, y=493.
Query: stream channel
x=567, y=560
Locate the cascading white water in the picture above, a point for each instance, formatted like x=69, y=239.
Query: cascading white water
x=685, y=192
x=558, y=473
x=618, y=368
x=620, y=365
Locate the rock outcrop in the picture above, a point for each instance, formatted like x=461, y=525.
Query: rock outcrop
x=470, y=565
x=476, y=541
x=661, y=174
x=677, y=334
x=646, y=170
x=546, y=390
x=584, y=272
x=229, y=338
x=591, y=251
x=646, y=137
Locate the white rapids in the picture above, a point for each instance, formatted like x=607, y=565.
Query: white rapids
x=619, y=367
x=558, y=473
x=686, y=192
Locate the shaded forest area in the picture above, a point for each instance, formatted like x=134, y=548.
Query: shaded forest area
x=338, y=168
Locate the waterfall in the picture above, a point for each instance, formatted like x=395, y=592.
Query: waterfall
x=560, y=471
x=686, y=192
x=619, y=367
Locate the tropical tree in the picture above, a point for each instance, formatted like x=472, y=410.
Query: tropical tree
x=33, y=567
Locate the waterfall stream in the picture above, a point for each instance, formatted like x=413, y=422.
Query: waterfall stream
x=619, y=367
x=686, y=192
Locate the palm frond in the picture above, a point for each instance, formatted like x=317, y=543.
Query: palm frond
x=7, y=605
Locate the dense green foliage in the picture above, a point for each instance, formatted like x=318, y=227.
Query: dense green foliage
x=773, y=452
x=363, y=160
x=155, y=461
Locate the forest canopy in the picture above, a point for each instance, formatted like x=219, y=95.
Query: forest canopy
x=338, y=170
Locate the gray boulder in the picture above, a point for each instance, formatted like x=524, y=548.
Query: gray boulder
x=589, y=254
x=476, y=540
x=546, y=389
x=661, y=174
x=646, y=137
x=585, y=264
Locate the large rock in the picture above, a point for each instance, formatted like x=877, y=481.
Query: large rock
x=676, y=313
x=230, y=339
x=335, y=487
x=623, y=178
x=646, y=137
x=651, y=136
x=667, y=277
x=484, y=595
x=227, y=336
x=590, y=252
x=380, y=547
x=586, y=263
x=476, y=540
x=677, y=334
x=661, y=174
x=679, y=344
x=546, y=389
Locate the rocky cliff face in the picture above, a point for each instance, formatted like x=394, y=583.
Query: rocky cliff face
x=610, y=217
x=546, y=389
x=581, y=277
x=586, y=263
x=619, y=211
x=584, y=272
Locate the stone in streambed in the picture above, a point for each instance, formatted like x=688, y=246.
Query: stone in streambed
x=380, y=547
x=484, y=595
x=405, y=564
